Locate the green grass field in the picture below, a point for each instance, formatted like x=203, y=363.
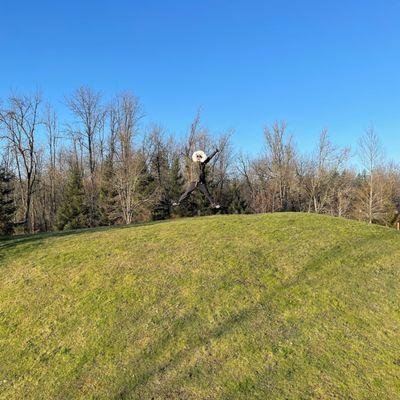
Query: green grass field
x=282, y=306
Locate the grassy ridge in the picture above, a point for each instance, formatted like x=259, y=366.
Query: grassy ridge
x=260, y=306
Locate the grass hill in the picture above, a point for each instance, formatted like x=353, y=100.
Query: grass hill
x=282, y=306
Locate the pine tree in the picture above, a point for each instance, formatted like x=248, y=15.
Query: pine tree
x=176, y=185
x=234, y=199
x=7, y=208
x=159, y=170
x=147, y=190
x=176, y=181
x=73, y=212
x=108, y=195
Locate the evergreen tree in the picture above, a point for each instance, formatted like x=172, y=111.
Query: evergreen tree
x=176, y=187
x=7, y=208
x=176, y=181
x=160, y=171
x=233, y=199
x=108, y=195
x=73, y=212
x=147, y=189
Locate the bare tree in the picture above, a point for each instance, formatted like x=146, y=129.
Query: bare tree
x=19, y=121
x=86, y=106
x=192, y=141
x=53, y=139
x=280, y=161
x=321, y=173
x=243, y=168
x=158, y=150
x=371, y=154
x=126, y=113
x=221, y=165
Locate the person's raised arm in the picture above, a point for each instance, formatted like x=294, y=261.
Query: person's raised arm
x=211, y=156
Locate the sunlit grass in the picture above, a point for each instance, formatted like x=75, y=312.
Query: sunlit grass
x=282, y=306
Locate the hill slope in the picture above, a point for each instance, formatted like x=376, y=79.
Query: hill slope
x=257, y=306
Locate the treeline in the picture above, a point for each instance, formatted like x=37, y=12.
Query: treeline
x=105, y=166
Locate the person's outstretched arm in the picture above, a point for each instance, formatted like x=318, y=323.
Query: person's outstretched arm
x=211, y=156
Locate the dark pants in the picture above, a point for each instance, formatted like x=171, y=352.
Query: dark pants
x=192, y=186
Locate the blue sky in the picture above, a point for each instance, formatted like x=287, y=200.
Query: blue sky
x=248, y=63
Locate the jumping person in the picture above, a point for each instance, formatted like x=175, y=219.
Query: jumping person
x=197, y=177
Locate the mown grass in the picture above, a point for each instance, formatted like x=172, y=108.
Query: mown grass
x=282, y=306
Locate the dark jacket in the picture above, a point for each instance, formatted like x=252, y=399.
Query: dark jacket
x=197, y=170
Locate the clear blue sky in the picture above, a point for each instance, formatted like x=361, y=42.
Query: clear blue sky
x=316, y=64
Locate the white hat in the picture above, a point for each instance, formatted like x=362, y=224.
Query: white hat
x=199, y=153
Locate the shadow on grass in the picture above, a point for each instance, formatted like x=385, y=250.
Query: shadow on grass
x=30, y=242
x=152, y=362
x=163, y=342
x=190, y=326
x=11, y=241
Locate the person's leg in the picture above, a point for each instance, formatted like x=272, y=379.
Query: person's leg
x=202, y=186
x=189, y=190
